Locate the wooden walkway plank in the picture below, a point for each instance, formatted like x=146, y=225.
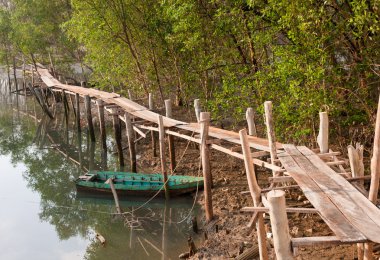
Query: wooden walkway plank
x=361, y=212
x=329, y=212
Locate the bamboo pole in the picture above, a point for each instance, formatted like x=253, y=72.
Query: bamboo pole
x=114, y=193
x=103, y=134
x=87, y=103
x=204, y=121
x=279, y=223
x=323, y=135
x=131, y=142
x=168, y=110
x=250, y=116
x=162, y=154
x=116, y=128
x=255, y=191
x=270, y=132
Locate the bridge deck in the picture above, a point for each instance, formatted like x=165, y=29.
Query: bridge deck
x=348, y=213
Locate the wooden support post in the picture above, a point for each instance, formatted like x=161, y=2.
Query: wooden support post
x=131, y=142
x=197, y=108
x=279, y=223
x=116, y=128
x=204, y=121
x=168, y=108
x=114, y=193
x=255, y=191
x=375, y=176
x=103, y=134
x=162, y=154
x=323, y=135
x=270, y=132
x=77, y=103
x=250, y=116
x=89, y=117
x=152, y=134
x=356, y=161
x=14, y=73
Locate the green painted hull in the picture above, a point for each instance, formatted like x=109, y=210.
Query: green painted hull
x=138, y=184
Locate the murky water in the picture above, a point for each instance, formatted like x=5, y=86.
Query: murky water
x=43, y=217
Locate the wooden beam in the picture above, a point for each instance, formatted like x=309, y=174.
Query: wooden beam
x=288, y=210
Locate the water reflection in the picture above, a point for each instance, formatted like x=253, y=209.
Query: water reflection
x=54, y=153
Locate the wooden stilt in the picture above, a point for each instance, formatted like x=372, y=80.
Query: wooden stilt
x=161, y=141
x=77, y=103
x=255, y=191
x=323, y=135
x=116, y=128
x=205, y=157
x=14, y=73
x=131, y=142
x=103, y=134
x=250, y=116
x=87, y=103
x=168, y=108
x=279, y=223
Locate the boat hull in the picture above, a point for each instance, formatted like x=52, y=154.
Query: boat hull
x=136, y=184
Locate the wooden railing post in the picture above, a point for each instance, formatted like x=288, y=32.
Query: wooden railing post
x=279, y=223
x=255, y=191
x=270, y=132
x=250, y=116
x=87, y=104
x=355, y=156
x=198, y=109
x=204, y=121
x=103, y=134
x=323, y=135
x=116, y=128
x=152, y=134
x=131, y=142
x=161, y=140
x=168, y=109
x=375, y=176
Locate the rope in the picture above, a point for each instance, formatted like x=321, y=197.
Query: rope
x=162, y=187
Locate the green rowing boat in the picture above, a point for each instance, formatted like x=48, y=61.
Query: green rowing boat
x=138, y=184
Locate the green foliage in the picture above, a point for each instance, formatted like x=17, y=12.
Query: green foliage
x=305, y=56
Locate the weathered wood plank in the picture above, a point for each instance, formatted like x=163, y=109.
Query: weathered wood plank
x=328, y=210
x=359, y=211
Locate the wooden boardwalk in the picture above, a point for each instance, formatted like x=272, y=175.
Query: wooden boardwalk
x=350, y=215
